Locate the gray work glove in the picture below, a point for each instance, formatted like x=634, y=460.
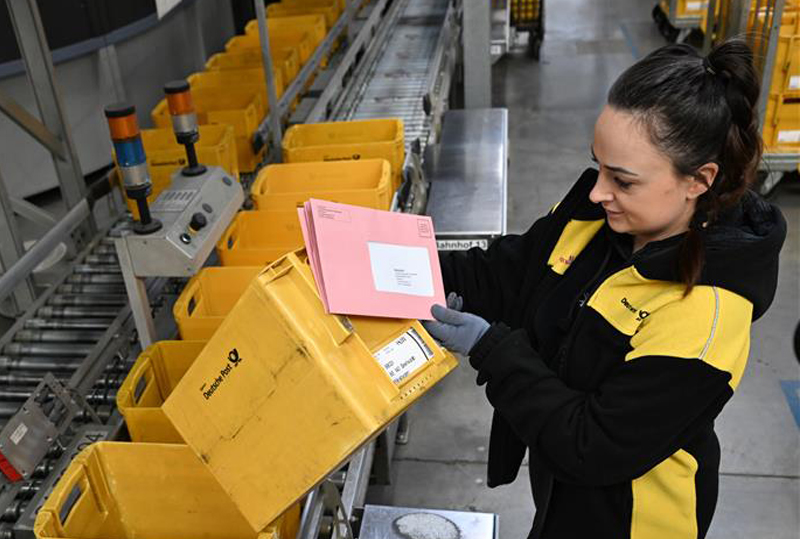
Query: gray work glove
x=457, y=331
x=454, y=301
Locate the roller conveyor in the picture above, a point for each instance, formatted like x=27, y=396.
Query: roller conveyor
x=397, y=83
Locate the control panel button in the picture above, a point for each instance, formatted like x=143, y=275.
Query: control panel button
x=207, y=208
x=185, y=238
x=198, y=221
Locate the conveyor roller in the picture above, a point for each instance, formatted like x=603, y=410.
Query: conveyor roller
x=83, y=311
x=66, y=323
x=58, y=336
x=53, y=350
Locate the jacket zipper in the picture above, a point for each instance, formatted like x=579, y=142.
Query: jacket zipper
x=583, y=298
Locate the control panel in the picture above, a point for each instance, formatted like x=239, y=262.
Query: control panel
x=194, y=213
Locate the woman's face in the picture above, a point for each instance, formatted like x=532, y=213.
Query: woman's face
x=637, y=186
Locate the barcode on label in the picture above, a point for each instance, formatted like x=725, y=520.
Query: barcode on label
x=404, y=356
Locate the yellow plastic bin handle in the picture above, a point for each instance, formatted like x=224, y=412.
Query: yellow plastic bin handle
x=230, y=236
x=71, y=488
x=192, y=295
x=139, y=382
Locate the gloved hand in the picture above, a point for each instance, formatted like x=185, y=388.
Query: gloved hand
x=454, y=301
x=457, y=331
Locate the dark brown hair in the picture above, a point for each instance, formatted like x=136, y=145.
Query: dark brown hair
x=698, y=110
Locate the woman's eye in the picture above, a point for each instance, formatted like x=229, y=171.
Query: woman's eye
x=622, y=184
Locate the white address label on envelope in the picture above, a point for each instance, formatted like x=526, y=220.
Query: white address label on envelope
x=402, y=269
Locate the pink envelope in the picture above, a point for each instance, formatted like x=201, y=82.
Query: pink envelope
x=370, y=262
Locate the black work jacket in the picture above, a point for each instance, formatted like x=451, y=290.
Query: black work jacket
x=602, y=367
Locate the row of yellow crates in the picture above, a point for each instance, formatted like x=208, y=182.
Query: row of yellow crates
x=782, y=118
x=156, y=486
x=324, y=142
x=232, y=91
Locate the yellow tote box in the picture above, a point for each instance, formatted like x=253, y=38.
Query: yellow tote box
x=157, y=371
x=257, y=238
x=120, y=490
x=345, y=141
x=283, y=393
x=207, y=299
x=366, y=182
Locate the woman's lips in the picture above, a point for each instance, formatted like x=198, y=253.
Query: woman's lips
x=612, y=212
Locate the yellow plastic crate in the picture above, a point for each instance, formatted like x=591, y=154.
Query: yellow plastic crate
x=338, y=5
x=782, y=122
x=238, y=78
x=291, y=392
x=330, y=12
x=302, y=41
x=207, y=299
x=257, y=238
x=215, y=105
x=366, y=182
x=313, y=24
x=341, y=141
x=217, y=146
x=786, y=74
x=120, y=490
x=157, y=371
x=287, y=59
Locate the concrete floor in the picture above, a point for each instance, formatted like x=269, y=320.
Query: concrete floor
x=553, y=105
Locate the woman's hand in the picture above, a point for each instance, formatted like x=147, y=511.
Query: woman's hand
x=457, y=331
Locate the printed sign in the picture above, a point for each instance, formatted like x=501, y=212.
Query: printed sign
x=461, y=245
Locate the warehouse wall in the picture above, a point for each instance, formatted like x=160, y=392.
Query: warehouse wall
x=167, y=51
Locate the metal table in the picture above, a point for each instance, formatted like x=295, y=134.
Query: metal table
x=468, y=171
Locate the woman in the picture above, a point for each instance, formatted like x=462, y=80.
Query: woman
x=611, y=334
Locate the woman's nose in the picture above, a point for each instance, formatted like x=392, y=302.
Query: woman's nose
x=599, y=194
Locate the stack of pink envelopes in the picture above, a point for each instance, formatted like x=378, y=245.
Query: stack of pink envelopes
x=371, y=262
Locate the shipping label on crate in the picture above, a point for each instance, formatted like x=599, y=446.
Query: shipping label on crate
x=794, y=82
x=404, y=356
x=789, y=136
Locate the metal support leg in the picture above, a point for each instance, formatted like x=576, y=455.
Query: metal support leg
x=35, y=52
x=476, y=41
x=137, y=296
x=11, y=250
x=272, y=94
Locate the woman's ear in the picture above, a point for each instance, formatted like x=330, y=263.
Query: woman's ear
x=702, y=180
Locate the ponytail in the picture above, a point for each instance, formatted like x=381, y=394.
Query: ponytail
x=698, y=111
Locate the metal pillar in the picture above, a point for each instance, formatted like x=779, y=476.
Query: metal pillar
x=272, y=94
x=195, y=23
x=11, y=250
x=35, y=52
x=476, y=43
x=108, y=56
x=711, y=23
x=772, y=36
